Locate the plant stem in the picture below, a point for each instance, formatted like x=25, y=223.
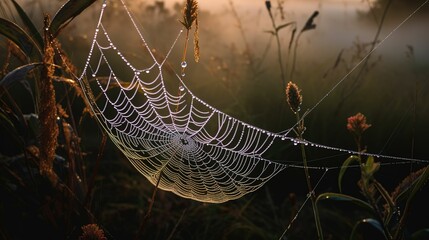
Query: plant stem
x=185, y=51
x=247, y=48
x=355, y=82
x=422, y=179
x=149, y=211
x=292, y=70
x=367, y=193
x=300, y=129
x=182, y=72
x=177, y=224
x=89, y=193
x=391, y=205
x=48, y=111
x=279, y=51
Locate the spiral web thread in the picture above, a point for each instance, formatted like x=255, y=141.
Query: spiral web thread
x=177, y=141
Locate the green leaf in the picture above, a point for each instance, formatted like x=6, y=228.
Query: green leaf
x=370, y=228
x=34, y=34
x=337, y=197
x=369, y=164
x=18, y=36
x=67, y=13
x=18, y=74
x=421, y=234
x=343, y=169
x=370, y=168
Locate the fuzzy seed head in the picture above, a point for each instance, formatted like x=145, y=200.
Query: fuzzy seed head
x=294, y=97
x=190, y=13
x=92, y=232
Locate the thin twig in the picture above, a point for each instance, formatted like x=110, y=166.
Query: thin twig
x=359, y=74
x=308, y=179
x=177, y=225
x=149, y=211
x=88, y=198
x=279, y=49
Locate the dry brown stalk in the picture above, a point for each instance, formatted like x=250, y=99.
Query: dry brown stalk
x=190, y=16
x=48, y=110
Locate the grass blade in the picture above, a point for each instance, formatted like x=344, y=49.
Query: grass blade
x=18, y=74
x=344, y=167
x=29, y=24
x=337, y=197
x=371, y=228
x=18, y=36
x=67, y=13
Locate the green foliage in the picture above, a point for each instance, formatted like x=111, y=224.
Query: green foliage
x=368, y=228
x=344, y=167
x=335, y=198
x=370, y=168
x=379, y=203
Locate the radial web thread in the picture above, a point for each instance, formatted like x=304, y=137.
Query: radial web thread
x=176, y=140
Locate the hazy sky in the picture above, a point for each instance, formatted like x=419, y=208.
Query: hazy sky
x=249, y=4
x=337, y=23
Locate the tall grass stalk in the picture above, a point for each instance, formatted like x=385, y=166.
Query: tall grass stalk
x=355, y=83
x=185, y=50
x=247, y=48
x=357, y=125
x=279, y=46
x=48, y=110
x=294, y=99
x=190, y=18
x=300, y=131
x=147, y=215
x=309, y=25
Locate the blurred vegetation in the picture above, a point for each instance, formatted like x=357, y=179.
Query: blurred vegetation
x=400, y=5
x=59, y=175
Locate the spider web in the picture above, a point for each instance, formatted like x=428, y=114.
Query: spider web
x=175, y=139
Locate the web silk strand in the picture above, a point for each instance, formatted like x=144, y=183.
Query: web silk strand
x=202, y=153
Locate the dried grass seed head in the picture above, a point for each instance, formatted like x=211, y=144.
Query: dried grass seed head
x=92, y=232
x=190, y=13
x=294, y=97
x=196, y=43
